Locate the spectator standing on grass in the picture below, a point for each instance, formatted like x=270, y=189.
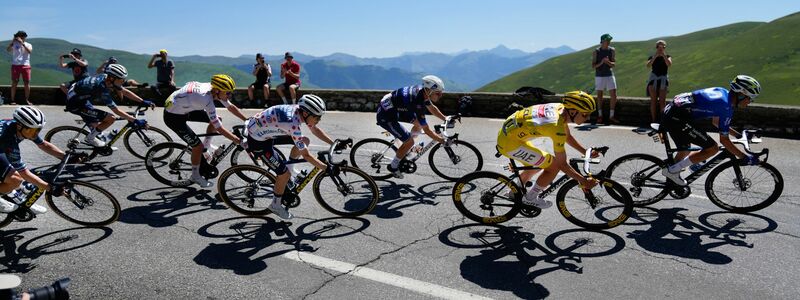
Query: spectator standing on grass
x=603, y=61
x=77, y=65
x=290, y=72
x=263, y=73
x=20, y=64
x=658, y=82
x=165, y=72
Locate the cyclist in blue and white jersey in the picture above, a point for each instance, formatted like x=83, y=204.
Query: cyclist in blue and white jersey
x=26, y=125
x=194, y=102
x=716, y=103
x=82, y=92
x=408, y=105
x=280, y=124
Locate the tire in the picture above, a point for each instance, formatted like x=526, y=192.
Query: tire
x=367, y=150
x=5, y=219
x=239, y=194
x=641, y=175
x=138, y=144
x=360, y=196
x=61, y=135
x=468, y=157
x=170, y=163
x=85, y=204
x=722, y=186
x=613, y=205
x=480, y=193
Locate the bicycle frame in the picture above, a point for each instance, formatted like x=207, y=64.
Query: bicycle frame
x=34, y=196
x=587, y=160
x=324, y=156
x=121, y=132
x=449, y=122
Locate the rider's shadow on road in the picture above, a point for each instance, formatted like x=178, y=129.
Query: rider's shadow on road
x=508, y=257
x=672, y=233
x=17, y=258
x=246, y=237
x=89, y=172
x=166, y=204
x=396, y=197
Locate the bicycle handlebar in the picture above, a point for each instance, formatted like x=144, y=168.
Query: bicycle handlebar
x=336, y=147
x=750, y=136
x=588, y=160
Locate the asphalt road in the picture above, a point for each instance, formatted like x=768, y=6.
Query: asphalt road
x=181, y=243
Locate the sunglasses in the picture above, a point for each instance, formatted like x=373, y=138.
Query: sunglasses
x=35, y=131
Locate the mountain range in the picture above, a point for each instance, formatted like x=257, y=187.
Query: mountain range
x=768, y=51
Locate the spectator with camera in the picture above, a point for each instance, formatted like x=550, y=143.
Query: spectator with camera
x=20, y=64
x=165, y=72
x=659, y=80
x=128, y=81
x=290, y=72
x=263, y=73
x=78, y=65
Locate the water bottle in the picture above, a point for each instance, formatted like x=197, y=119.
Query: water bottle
x=419, y=147
x=111, y=135
x=23, y=191
x=298, y=179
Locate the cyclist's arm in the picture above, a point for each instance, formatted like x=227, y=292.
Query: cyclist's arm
x=51, y=149
x=123, y=114
x=725, y=140
x=561, y=160
x=221, y=130
x=32, y=178
x=429, y=132
x=312, y=159
x=234, y=110
x=435, y=111
x=318, y=132
x=572, y=142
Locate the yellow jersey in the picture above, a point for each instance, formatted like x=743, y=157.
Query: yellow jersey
x=543, y=120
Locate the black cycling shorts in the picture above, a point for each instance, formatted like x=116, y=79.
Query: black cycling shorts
x=178, y=124
x=267, y=150
x=682, y=128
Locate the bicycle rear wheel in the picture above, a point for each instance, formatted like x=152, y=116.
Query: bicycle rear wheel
x=86, y=204
x=248, y=197
x=170, y=163
x=603, y=207
x=350, y=193
x=465, y=159
x=61, y=135
x=760, y=186
x=138, y=141
x=487, y=197
x=373, y=156
x=641, y=175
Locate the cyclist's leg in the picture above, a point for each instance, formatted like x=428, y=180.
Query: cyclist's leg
x=388, y=120
x=287, y=140
x=684, y=132
x=177, y=123
x=9, y=181
x=266, y=150
x=527, y=154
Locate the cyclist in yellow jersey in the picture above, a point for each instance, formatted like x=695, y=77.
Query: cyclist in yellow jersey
x=546, y=120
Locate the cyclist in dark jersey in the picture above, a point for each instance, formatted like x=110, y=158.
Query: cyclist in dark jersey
x=408, y=105
x=716, y=103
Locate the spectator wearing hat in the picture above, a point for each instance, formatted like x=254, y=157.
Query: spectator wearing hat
x=658, y=82
x=77, y=65
x=129, y=82
x=165, y=72
x=603, y=61
x=20, y=64
x=263, y=73
x=290, y=72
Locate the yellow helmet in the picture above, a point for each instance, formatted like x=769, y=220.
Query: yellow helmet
x=223, y=82
x=580, y=101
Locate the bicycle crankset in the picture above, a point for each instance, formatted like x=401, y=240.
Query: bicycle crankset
x=680, y=192
x=407, y=166
x=290, y=199
x=208, y=171
x=530, y=211
x=104, y=151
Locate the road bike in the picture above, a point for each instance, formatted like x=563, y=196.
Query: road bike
x=136, y=139
x=82, y=203
x=373, y=155
x=171, y=163
x=348, y=192
x=730, y=184
x=489, y=198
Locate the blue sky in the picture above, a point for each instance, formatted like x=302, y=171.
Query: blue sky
x=368, y=28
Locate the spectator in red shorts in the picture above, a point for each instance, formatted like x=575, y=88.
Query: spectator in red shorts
x=20, y=64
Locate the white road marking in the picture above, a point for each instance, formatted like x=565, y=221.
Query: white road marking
x=382, y=277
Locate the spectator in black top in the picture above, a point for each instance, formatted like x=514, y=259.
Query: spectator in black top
x=659, y=80
x=165, y=72
x=263, y=73
x=77, y=65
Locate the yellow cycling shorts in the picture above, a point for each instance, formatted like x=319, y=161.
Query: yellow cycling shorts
x=524, y=152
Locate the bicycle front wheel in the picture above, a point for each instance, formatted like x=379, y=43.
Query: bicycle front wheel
x=742, y=189
x=86, y=204
x=373, y=156
x=641, y=175
x=452, y=163
x=138, y=141
x=250, y=197
x=170, y=163
x=603, y=207
x=487, y=197
x=350, y=193
x=61, y=135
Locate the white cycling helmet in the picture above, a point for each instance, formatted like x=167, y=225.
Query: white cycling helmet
x=313, y=104
x=30, y=117
x=433, y=83
x=746, y=85
x=117, y=70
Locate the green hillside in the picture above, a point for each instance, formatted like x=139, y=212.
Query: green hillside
x=768, y=51
x=45, y=69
